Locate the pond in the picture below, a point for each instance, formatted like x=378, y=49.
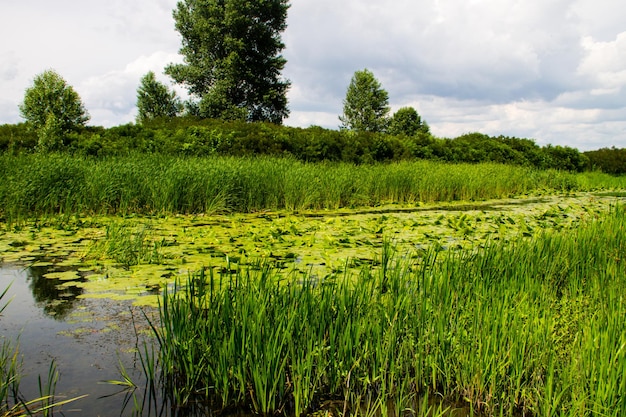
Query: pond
x=87, y=339
x=74, y=305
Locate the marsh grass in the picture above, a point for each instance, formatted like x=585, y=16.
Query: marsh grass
x=534, y=327
x=127, y=245
x=39, y=185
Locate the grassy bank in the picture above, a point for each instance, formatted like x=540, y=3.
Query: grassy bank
x=36, y=185
x=532, y=328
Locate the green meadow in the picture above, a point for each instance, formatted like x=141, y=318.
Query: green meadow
x=292, y=288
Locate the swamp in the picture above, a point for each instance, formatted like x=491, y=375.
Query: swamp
x=206, y=286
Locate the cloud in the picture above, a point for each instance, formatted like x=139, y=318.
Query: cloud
x=553, y=70
x=111, y=97
x=8, y=66
x=528, y=68
x=605, y=64
x=468, y=50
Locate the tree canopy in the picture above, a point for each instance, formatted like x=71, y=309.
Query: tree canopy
x=50, y=95
x=366, y=105
x=52, y=108
x=406, y=121
x=155, y=100
x=232, y=62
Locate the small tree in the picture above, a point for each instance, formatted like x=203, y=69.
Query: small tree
x=154, y=100
x=406, y=121
x=366, y=105
x=53, y=109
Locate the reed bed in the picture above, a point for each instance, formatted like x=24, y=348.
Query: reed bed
x=38, y=185
x=535, y=328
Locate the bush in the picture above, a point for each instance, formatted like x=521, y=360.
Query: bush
x=191, y=136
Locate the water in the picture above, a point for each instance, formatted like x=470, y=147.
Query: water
x=86, y=338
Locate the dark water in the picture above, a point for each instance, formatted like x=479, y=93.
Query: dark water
x=87, y=339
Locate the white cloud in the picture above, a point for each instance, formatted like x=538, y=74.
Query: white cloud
x=552, y=70
x=111, y=97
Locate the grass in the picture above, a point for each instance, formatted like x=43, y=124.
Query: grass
x=40, y=185
x=534, y=327
x=127, y=245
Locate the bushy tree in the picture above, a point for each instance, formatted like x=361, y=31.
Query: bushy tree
x=406, y=121
x=53, y=109
x=232, y=61
x=154, y=100
x=366, y=105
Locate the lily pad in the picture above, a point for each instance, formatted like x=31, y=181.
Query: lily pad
x=63, y=276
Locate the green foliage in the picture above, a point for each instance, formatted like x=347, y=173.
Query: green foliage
x=193, y=136
x=14, y=138
x=154, y=100
x=53, y=108
x=531, y=327
x=232, y=60
x=609, y=160
x=366, y=105
x=564, y=157
x=127, y=245
x=406, y=121
x=39, y=185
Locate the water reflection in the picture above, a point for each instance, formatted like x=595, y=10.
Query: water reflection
x=54, y=299
x=88, y=340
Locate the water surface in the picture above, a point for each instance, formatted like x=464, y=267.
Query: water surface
x=86, y=338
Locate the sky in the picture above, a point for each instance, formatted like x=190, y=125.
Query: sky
x=549, y=70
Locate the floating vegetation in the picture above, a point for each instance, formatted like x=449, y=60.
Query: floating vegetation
x=531, y=327
x=140, y=255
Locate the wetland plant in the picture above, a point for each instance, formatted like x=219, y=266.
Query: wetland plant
x=127, y=245
x=535, y=327
x=41, y=185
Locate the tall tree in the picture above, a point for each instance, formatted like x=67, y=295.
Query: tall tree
x=406, y=121
x=53, y=109
x=154, y=99
x=366, y=105
x=232, y=61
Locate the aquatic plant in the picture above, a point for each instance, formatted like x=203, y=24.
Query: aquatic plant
x=533, y=327
x=127, y=245
x=42, y=185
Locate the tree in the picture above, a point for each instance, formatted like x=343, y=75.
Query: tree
x=53, y=109
x=232, y=61
x=154, y=100
x=366, y=105
x=406, y=121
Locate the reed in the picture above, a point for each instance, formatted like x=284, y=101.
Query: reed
x=127, y=244
x=41, y=185
x=534, y=327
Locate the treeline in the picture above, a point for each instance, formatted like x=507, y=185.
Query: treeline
x=202, y=137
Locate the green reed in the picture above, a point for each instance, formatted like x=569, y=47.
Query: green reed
x=534, y=327
x=40, y=185
x=127, y=245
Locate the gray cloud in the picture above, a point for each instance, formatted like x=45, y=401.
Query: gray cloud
x=551, y=70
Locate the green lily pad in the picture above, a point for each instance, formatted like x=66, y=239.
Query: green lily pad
x=63, y=276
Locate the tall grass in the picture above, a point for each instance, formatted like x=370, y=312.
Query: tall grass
x=35, y=185
x=127, y=245
x=533, y=328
